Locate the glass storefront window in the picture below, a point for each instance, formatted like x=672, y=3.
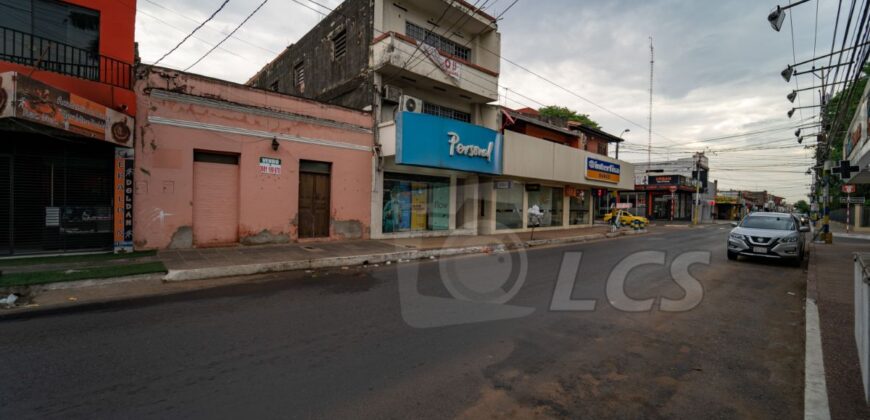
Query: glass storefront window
x=549, y=201
x=415, y=203
x=509, y=205
x=579, y=209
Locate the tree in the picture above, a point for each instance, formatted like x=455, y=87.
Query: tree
x=839, y=129
x=802, y=206
x=568, y=114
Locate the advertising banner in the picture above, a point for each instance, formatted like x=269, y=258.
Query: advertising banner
x=419, y=205
x=449, y=66
x=123, y=200
x=437, y=142
x=600, y=170
x=270, y=166
x=32, y=100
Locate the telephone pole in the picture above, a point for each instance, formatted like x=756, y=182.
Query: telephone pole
x=649, y=122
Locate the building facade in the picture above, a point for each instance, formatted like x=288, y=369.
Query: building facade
x=220, y=163
x=669, y=189
x=444, y=163
x=67, y=111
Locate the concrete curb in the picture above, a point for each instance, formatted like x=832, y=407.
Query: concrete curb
x=39, y=288
x=816, y=404
x=358, y=260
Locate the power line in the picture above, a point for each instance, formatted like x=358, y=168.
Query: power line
x=192, y=32
x=228, y=35
x=176, y=12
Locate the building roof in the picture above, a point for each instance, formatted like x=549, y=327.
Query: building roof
x=526, y=117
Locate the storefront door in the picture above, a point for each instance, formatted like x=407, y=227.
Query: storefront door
x=215, y=199
x=314, y=199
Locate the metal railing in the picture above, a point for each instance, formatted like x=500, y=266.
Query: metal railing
x=31, y=50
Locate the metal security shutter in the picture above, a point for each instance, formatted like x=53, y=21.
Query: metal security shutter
x=5, y=205
x=215, y=199
x=61, y=195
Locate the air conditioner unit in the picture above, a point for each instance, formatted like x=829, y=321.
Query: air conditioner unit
x=411, y=104
x=392, y=94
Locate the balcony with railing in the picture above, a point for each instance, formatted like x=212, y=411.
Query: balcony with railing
x=31, y=50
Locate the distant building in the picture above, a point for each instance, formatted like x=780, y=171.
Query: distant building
x=667, y=189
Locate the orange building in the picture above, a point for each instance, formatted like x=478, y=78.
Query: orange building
x=67, y=110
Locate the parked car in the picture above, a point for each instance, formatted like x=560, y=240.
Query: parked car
x=627, y=219
x=769, y=235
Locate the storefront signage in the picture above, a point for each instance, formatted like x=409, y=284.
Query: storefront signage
x=663, y=180
x=533, y=187
x=600, y=170
x=270, y=166
x=123, y=200
x=436, y=142
x=459, y=149
x=31, y=100
x=449, y=66
x=502, y=185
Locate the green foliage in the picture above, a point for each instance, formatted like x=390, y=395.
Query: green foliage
x=802, y=206
x=839, y=130
x=568, y=114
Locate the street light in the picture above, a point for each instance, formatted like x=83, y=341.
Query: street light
x=777, y=16
x=791, y=112
x=792, y=96
x=617, y=143
x=787, y=73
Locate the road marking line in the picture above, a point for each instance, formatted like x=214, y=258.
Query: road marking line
x=815, y=389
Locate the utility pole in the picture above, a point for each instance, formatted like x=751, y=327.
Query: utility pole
x=696, y=211
x=649, y=122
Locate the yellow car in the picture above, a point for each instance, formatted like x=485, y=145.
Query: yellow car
x=627, y=219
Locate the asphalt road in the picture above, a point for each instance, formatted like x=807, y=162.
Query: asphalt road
x=353, y=344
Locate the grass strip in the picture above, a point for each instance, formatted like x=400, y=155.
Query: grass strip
x=57, y=276
x=64, y=259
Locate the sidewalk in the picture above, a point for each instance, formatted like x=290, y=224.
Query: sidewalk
x=213, y=267
x=830, y=284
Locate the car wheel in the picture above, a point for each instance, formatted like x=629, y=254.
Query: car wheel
x=732, y=256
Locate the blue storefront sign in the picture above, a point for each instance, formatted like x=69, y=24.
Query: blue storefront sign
x=436, y=142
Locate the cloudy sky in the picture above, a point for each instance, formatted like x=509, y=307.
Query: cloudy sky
x=716, y=72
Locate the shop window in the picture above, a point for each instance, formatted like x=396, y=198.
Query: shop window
x=578, y=211
x=414, y=204
x=509, y=205
x=549, y=201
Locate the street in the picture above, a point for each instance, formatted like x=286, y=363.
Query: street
x=337, y=345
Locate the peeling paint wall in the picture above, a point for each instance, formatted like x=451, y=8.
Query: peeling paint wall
x=181, y=113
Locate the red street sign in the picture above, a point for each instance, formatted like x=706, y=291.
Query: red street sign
x=673, y=188
x=848, y=188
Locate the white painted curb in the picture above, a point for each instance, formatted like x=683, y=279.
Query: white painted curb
x=815, y=389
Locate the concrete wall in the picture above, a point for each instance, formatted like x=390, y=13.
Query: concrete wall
x=343, y=81
x=180, y=113
x=533, y=158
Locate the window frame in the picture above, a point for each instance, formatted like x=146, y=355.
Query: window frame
x=438, y=41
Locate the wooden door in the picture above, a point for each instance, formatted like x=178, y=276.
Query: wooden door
x=215, y=199
x=314, y=189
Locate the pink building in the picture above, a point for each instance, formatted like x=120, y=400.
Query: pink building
x=218, y=163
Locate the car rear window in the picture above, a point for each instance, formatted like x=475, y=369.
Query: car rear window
x=768, y=222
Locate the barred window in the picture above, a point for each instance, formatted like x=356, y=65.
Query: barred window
x=443, y=111
x=442, y=43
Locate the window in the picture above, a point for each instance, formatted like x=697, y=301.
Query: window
x=549, y=201
x=54, y=21
x=443, y=111
x=579, y=208
x=415, y=203
x=508, y=205
x=442, y=43
x=274, y=86
x=339, y=44
x=602, y=148
x=299, y=76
